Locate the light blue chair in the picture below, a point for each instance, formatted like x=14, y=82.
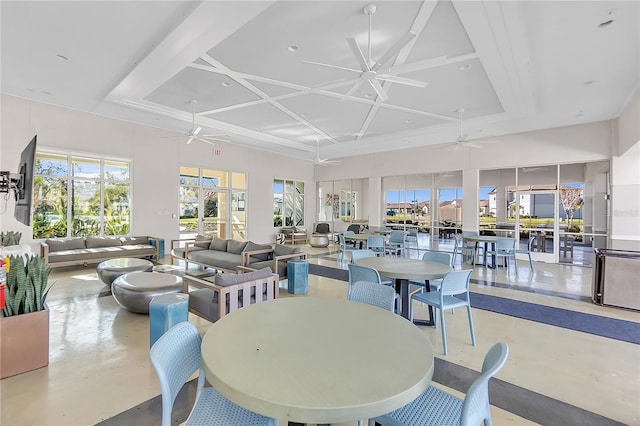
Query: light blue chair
x=505, y=249
x=374, y=294
x=412, y=235
x=343, y=248
x=454, y=292
x=435, y=407
x=361, y=254
x=376, y=244
x=527, y=252
x=463, y=249
x=396, y=244
x=434, y=256
x=175, y=357
x=363, y=273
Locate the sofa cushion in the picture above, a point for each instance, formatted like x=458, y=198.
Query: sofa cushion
x=282, y=267
x=281, y=250
x=60, y=244
x=218, y=244
x=135, y=240
x=224, y=280
x=251, y=246
x=236, y=247
x=95, y=242
x=202, y=241
x=216, y=259
x=179, y=251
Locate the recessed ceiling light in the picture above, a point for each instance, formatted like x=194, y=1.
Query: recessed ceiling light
x=465, y=67
x=293, y=48
x=225, y=84
x=303, y=115
x=587, y=83
x=44, y=92
x=407, y=121
x=367, y=95
x=62, y=57
x=459, y=110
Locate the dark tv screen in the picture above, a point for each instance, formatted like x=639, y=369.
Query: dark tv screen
x=24, y=187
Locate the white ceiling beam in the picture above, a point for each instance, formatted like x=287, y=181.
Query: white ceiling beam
x=496, y=30
x=208, y=24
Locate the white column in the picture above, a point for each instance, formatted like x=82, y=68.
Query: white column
x=471, y=204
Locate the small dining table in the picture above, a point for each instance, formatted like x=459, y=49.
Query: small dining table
x=359, y=238
x=315, y=360
x=486, y=239
x=403, y=269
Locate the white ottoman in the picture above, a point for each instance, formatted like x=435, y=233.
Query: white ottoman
x=135, y=290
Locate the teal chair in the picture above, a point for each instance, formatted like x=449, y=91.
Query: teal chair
x=343, y=248
x=454, y=292
x=363, y=273
x=396, y=244
x=435, y=407
x=374, y=294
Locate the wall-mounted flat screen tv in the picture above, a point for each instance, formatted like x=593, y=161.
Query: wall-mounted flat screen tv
x=24, y=186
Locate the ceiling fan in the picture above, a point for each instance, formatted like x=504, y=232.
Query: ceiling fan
x=370, y=69
x=463, y=139
x=194, y=133
x=322, y=161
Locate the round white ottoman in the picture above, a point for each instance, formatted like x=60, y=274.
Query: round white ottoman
x=319, y=240
x=109, y=270
x=134, y=291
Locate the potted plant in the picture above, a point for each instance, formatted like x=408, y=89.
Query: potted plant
x=24, y=326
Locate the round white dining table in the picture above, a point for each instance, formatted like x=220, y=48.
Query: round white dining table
x=313, y=360
x=487, y=239
x=403, y=269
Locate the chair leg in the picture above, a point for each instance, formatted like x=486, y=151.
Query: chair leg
x=444, y=332
x=531, y=263
x=473, y=334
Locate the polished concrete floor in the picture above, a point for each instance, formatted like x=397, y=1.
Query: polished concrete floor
x=99, y=366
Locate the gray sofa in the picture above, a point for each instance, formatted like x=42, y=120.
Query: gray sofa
x=231, y=255
x=237, y=290
x=84, y=250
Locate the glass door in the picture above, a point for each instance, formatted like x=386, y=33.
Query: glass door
x=536, y=212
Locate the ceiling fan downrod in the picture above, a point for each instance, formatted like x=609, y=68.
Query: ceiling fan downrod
x=369, y=10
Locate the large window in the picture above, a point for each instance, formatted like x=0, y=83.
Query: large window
x=212, y=203
x=288, y=203
x=80, y=196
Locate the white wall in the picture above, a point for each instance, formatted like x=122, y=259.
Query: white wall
x=625, y=179
x=156, y=163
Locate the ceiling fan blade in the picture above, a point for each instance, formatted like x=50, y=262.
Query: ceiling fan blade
x=358, y=54
x=393, y=51
x=472, y=145
x=378, y=89
x=333, y=66
x=417, y=66
x=352, y=90
x=196, y=131
x=402, y=80
x=191, y=138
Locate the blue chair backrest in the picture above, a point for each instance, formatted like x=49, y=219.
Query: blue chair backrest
x=373, y=293
x=475, y=408
x=361, y=254
x=456, y=282
x=362, y=273
x=438, y=256
x=396, y=237
x=175, y=357
x=412, y=232
x=376, y=241
x=505, y=245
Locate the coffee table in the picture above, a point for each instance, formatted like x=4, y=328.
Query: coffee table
x=109, y=270
x=134, y=291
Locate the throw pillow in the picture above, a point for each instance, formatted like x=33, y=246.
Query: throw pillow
x=235, y=247
x=280, y=250
x=59, y=244
x=218, y=244
x=94, y=242
x=202, y=241
x=224, y=280
x=251, y=246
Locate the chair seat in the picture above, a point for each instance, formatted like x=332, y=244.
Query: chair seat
x=433, y=299
x=433, y=407
x=214, y=409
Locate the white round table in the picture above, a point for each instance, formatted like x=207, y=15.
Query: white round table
x=403, y=269
x=313, y=360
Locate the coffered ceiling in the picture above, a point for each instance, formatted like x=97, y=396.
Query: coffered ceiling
x=512, y=66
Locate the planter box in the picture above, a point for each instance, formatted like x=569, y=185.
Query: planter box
x=24, y=343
